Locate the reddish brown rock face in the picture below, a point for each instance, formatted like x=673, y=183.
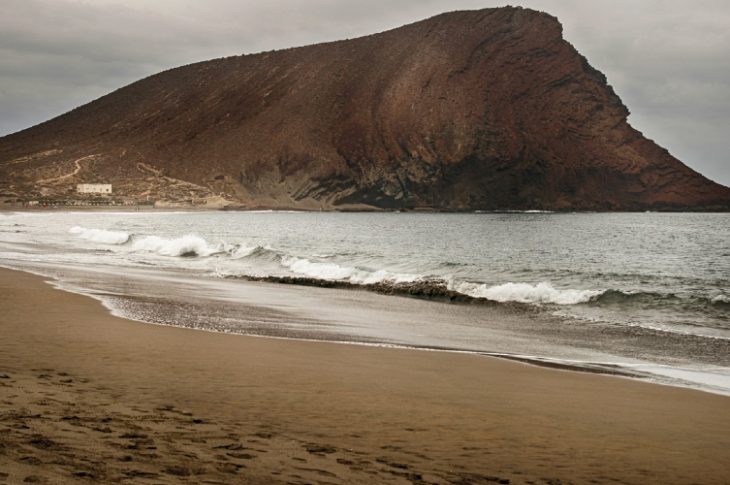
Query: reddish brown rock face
x=487, y=109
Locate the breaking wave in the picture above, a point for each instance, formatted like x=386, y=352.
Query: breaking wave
x=333, y=271
x=100, y=235
x=720, y=301
x=263, y=253
x=264, y=263
x=185, y=246
x=540, y=293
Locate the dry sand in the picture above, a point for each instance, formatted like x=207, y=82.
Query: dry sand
x=85, y=396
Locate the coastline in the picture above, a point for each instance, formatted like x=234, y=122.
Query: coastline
x=633, y=370
x=90, y=395
x=356, y=209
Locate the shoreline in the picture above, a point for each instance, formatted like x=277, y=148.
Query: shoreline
x=636, y=371
x=607, y=369
x=641, y=371
x=90, y=395
x=346, y=210
x=598, y=368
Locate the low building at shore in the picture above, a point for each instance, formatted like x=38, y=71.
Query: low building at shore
x=94, y=188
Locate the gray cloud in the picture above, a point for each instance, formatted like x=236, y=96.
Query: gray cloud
x=668, y=60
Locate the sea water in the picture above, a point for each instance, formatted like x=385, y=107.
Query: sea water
x=639, y=292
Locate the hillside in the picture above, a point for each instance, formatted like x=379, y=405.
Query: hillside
x=472, y=110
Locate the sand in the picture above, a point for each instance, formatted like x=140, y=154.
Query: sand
x=88, y=397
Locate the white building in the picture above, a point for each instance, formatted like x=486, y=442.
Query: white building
x=94, y=188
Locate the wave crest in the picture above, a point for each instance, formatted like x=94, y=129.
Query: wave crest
x=720, y=300
x=186, y=246
x=540, y=293
x=353, y=275
x=267, y=263
x=100, y=235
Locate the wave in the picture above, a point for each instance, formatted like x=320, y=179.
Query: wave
x=540, y=293
x=264, y=253
x=439, y=289
x=427, y=289
x=350, y=274
x=190, y=245
x=241, y=251
x=650, y=298
x=100, y=235
x=322, y=270
x=639, y=297
x=720, y=300
x=518, y=211
x=186, y=246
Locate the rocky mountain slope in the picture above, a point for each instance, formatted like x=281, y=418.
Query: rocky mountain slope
x=473, y=110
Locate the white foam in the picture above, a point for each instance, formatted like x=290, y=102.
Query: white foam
x=189, y=245
x=714, y=379
x=324, y=271
x=721, y=299
x=100, y=235
x=333, y=271
x=540, y=293
x=370, y=277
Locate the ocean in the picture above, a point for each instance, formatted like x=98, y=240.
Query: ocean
x=642, y=295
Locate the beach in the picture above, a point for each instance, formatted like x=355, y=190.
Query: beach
x=89, y=396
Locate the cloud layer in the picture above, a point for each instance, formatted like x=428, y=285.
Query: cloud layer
x=668, y=60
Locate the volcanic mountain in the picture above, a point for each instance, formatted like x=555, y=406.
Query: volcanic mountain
x=471, y=110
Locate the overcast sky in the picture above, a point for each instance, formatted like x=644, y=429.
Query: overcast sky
x=668, y=60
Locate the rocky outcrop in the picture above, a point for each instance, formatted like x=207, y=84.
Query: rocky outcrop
x=475, y=110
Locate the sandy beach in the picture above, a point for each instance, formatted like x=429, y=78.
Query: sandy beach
x=85, y=396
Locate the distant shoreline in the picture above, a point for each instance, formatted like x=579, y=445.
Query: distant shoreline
x=145, y=208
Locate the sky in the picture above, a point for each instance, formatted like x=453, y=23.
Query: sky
x=668, y=60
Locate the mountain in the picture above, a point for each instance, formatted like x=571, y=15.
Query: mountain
x=471, y=110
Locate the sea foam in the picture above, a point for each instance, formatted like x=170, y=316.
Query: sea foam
x=336, y=272
x=325, y=271
x=189, y=245
x=100, y=235
x=540, y=293
x=192, y=245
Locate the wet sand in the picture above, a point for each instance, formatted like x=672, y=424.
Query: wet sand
x=85, y=396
